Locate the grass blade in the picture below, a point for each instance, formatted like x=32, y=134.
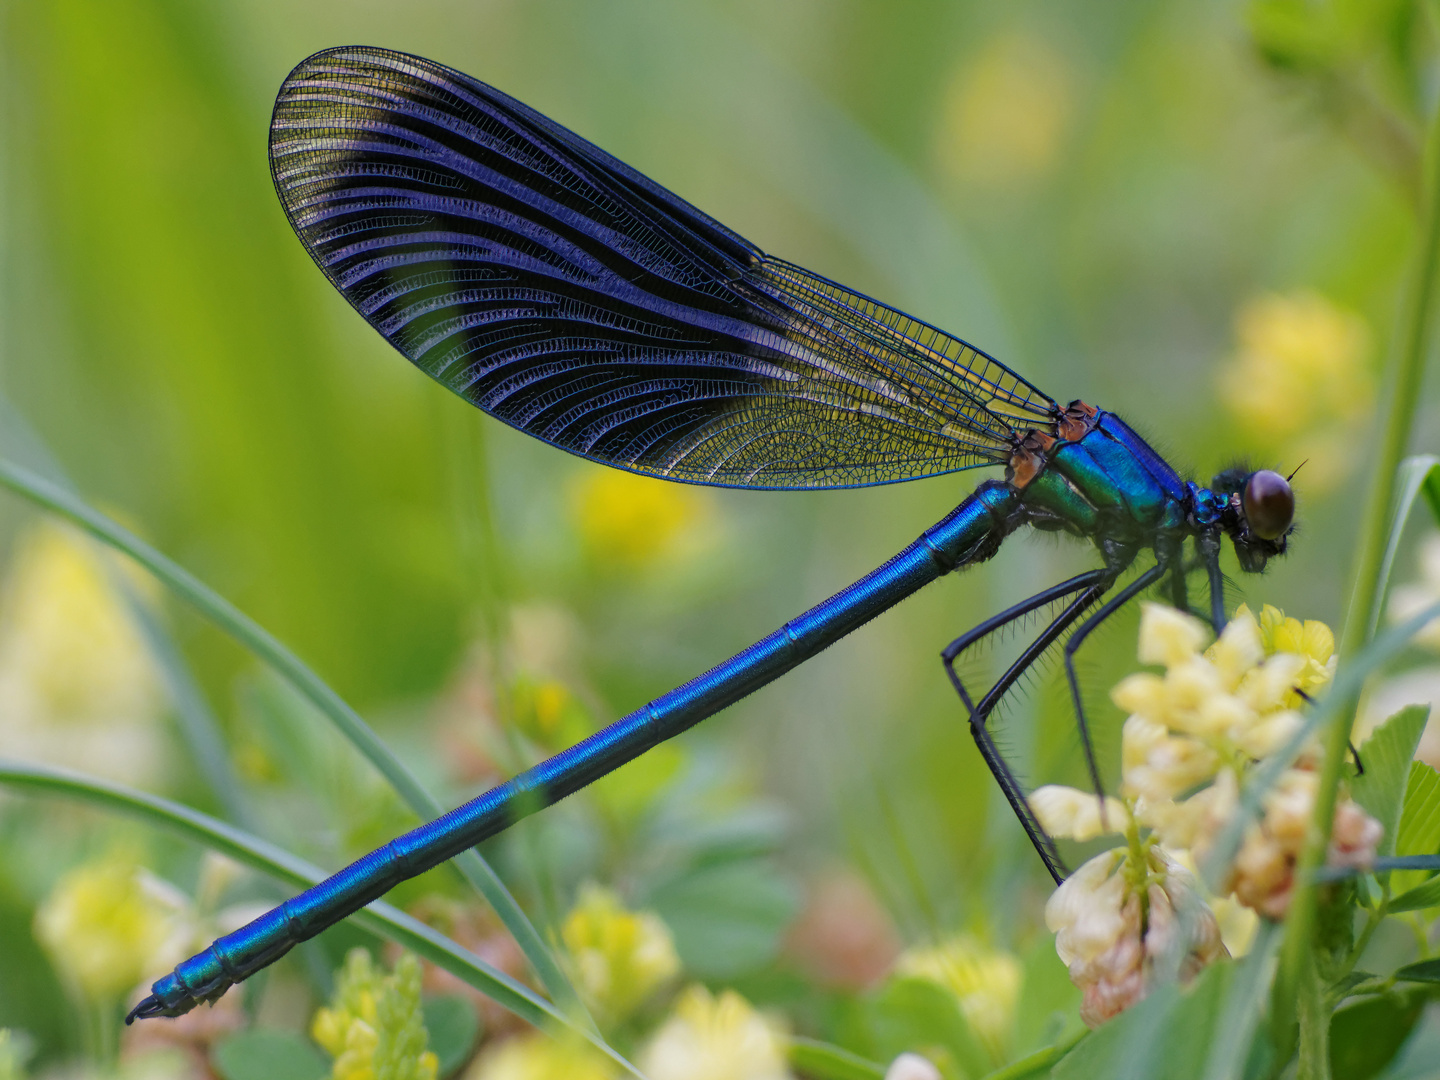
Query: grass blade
x=378, y=917
x=350, y=724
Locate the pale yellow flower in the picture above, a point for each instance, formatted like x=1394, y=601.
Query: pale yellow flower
x=108, y=924
x=1300, y=380
x=1004, y=113
x=374, y=1027
x=1072, y=814
x=77, y=685
x=985, y=981
x=628, y=521
x=538, y=1056
x=715, y=1038
x=1121, y=928
x=621, y=957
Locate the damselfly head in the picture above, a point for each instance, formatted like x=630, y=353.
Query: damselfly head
x=1260, y=514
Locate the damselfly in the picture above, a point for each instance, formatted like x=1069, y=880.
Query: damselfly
x=574, y=299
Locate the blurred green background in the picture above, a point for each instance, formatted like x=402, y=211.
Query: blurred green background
x=1123, y=200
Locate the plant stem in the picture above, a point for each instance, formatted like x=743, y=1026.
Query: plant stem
x=1403, y=396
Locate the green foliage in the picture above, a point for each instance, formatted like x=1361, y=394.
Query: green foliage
x=825, y=1062
x=1365, y=1036
x=1387, y=756
x=264, y=1054
x=454, y=1028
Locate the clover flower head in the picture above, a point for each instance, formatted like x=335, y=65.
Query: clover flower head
x=108, y=924
x=985, y=982
x=373, y=1027
x=1121, y=926
x=621, y=957
x=715, y=1038
x=539, y=1056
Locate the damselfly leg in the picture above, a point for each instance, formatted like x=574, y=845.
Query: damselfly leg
x=1090, y=587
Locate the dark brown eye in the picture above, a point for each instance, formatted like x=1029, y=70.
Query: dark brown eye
x=1269, y=504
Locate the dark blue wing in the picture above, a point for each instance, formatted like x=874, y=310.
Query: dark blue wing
x=569, y=296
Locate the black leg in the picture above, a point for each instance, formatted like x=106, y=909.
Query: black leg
x=1208, y=544
x=1119, y=600
x=1091, y=586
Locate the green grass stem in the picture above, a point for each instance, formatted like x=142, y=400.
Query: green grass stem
x=264, y=645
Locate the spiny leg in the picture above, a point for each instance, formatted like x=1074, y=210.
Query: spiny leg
x=1208, y=545
x=1114, y=604
x=1092, y=586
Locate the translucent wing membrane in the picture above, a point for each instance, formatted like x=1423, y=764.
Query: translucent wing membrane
x=569, y=296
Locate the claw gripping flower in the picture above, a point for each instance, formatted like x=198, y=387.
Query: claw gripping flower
x=1193, y=736
x=373, y=1027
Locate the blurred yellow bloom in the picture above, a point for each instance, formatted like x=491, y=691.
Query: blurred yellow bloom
x=373, y=1026
x=715, y=1038
x=1299, y=380
x=621, y=957
x=1004, y=114
x=985, y=981
x=629, y=521
x=108, y=924
x=77, y=686
x=541, y=1057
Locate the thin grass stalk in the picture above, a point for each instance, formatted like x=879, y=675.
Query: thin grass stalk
x=264, y=645
x=378, y=918
x=1402, y=400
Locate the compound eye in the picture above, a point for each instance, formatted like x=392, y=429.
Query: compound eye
x=1269, y=504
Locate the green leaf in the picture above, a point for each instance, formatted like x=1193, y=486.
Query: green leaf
x=1168, y=1036
x=1366, y=1035
x=264, y=1054
x=729, y=918
x=1423, y=971
x=1049, y=1007
x=454, y=1029
x=1419, y=898
x=1419, y=832
x=824, y=1061
x=1387, y=755
x=1040, y=1062
x=922, y=1017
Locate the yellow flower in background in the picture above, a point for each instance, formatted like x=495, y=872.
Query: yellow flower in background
x=985, y=981
x=621, y=957
x=374, y=1027
x=1300, y=381
x=537, y=1056
x=107, y=925
x=715, y=1038
x=77, y=685
x=628, y=521
x=1003, y=116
